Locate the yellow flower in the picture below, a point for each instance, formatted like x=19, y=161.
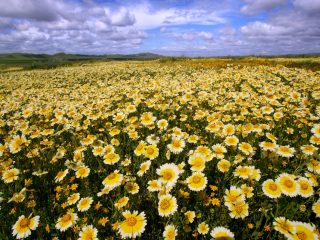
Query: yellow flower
x=162, y=124
x=243, y=171
x=271, y=188
x=61, y=175
x=177, y=145
x=221, y=233
x=143, y=168
x=151, y=152
x=288, y=185
x=284, y=226
x=316, y=208
x=219, y=151
x=147, y=119
x=10, y=175
x=88, y=233
x=133, y=225
x=140, y=149
x=16, y=143
x=111, y=158
x=197, y=162
x=66, y=221
x=239, y=210
x=72, y=199
x=121, y=202
x=170, y=232
x=231, y=141
x=82, y=172
x=103, y=221
x=22, y=228
x=203, y=228
x=309, y=149
x=167, y=205
x=113, y=180
x=304, y=231
x=197, y=181
x=224, y=165
x=306, y=189
x=84, y=204
x=285, y=151
x=233, y=196
x=190, y=215
x=169, y=173
x=246, y=148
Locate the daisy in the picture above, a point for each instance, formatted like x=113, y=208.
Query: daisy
x=162, y=124
x=228, y=129
x=316, y=130
x=247, y=191
x=23, y=226
x=84, y=204
x=133, y=225
x=113, y=180
x=132, y=187
x=88, y=233
x=285, y=151
x=193, y=139
x=197, y=162
x=246, y=148
x=304, y=231
x=239, y=210
x=203, y=228
x=121, y=202
x=111, y=158
x=219, y=151
x=190, y=215
x=221, y=233
x=243, y=172
x=169, y=173
x=170, y=232
x=233, y=196
x=197, y=181
x=271, y=188
x=284, y=226
x=72, y=199
x=98, y=151
x=140, y=149
x=16, y=143
x=66, y=221
x=288, y=185
x=176, y=146
x=231, y=141
x=82, y=172
x=167, y=205
x=144, y=167
x=154, y=185
x=223, y=165
x=147, y=119
x=306, y=189
x=314, y=166
x=61, y=175
x=268, y=146
x=151, y=152
x=308, y=149
x=10, y=175
x=315, y=140
x=316, y=208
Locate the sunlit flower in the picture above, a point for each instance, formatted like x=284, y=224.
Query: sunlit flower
x=133, y=225
x=84, y=204
x=285, y=151
x=121, y=202
x=203, y=228
x=288, y=185
x=88, y=233
x=22, y=228
x=271, y=188
x=170, y=232
x=168, y=173
x=284, y=226
x=197, y=181
x=221, y=233
x=167, y=205
x=82, y=172
x=304, y=231
x=61, y=175
x=111, y=158
x=10, y=175
x=66, y=221
x=224, y=165
x=246, y=148
x=113, y=180
x=306, y=189
x=197, y=162
x=316, y=208
x=151, y=152
x=176, y=146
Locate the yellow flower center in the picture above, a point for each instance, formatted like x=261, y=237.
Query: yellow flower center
x=196, y=179
x=131, y=221
x=66, y=218
x=304, y=186
x=82, y=171
x=273, y=186
x=10, y=174
x=165, y=204
x=150, y=151
x=302, y=235
x=112, y=176
x=288, y=183
x=167, y=175
x=239, y=208
x=24, y=223
x=176, y=143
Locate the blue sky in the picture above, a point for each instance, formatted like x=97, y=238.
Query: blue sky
x=169, y=27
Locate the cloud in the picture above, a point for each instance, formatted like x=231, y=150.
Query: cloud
x=40, y=10
x=310, y=6
x=123, y=18
x=254, y=7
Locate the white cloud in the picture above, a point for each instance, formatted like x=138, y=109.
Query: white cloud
x=254, y=7
x=310, y=6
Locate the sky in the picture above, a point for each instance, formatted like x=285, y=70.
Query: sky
x=168, y=27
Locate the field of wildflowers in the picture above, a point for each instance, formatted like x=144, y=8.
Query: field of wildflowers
x=153, y=150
